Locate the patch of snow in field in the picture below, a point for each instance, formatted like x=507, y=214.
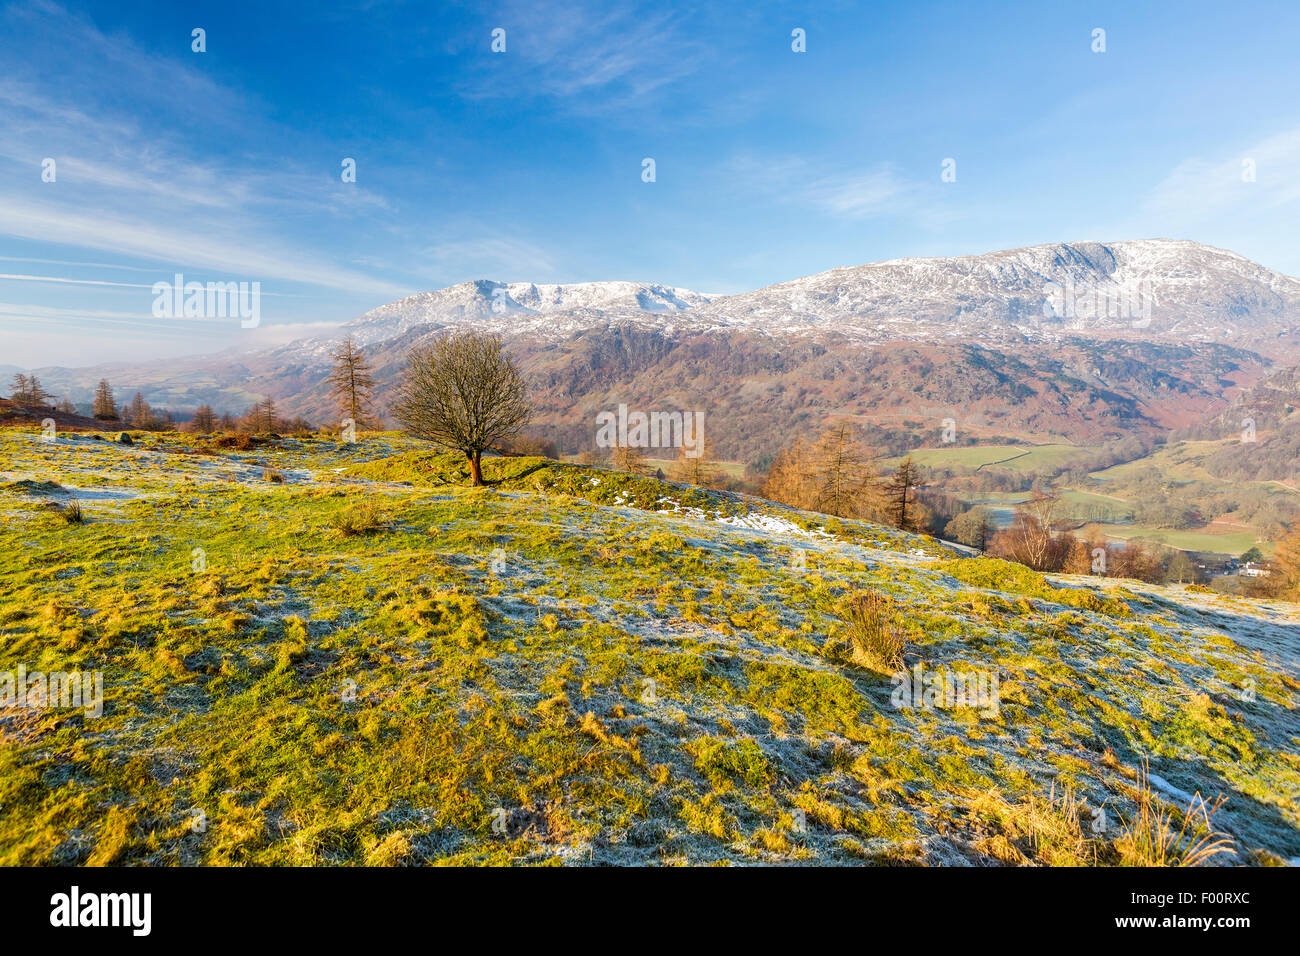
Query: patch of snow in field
x=754, y=521
x=763, y=522
x=105, y=494
x=1168, y=789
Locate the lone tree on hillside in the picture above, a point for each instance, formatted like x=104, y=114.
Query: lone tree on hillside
x=351, y=383
x=463, y=392
x=104, y=408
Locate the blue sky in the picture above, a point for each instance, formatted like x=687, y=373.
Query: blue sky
x=526, y=165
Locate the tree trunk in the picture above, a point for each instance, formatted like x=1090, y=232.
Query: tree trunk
x=475, y=467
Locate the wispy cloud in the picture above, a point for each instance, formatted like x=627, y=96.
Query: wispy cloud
x=221, y=245
x=594, y=57
x=488, y=257
x=1262, y=176
x=149, y=191
x=877, y=191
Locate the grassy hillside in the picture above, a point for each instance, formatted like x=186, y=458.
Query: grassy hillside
x=325, y=653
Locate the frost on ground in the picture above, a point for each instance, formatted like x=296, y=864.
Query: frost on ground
x=362, y=660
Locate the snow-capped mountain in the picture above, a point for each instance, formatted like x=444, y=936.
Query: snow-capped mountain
x=521, y=306
x=1145, y=288
x=1084, y=340
x=1150, y=289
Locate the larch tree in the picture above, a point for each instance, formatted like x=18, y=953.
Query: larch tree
x=1286, y=560
x=697, y=470
x=845, y=482
x=104, y=406
x=265, y=412
x=138, y=413
x=900, y=496
x=628, y=458
x=352, y=383
x=27, y=390
x=204, y=420
x=790, y=479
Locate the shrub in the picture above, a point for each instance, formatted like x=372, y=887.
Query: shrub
x=72, y=513
x=272, y=475
x=239, y=442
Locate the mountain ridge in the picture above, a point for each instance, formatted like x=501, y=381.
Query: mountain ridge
x=976, y=337
x=1142, y=288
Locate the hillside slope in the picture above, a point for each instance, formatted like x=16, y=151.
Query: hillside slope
x=324, y=653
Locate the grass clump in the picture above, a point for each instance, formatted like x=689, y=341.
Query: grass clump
x=361, y=518
x=1150, y=839
x=874, y=639
x=1048, y=830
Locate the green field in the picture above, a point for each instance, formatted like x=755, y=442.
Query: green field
x=1179, y=462
x=1016, y=457
x=732, y=469
x=1203, y=542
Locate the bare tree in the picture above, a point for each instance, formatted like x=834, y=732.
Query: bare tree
x=259, y=418
x=266, y=415
x=352, y=383
x=628, y=458
x=699, y=470
x=900, y=495
x=463, y=392
x=845, y=481
x=27, y=390
x=1036, y=538
x=204, y=420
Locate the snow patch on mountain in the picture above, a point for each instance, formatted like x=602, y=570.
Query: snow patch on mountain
x=1186, y=292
